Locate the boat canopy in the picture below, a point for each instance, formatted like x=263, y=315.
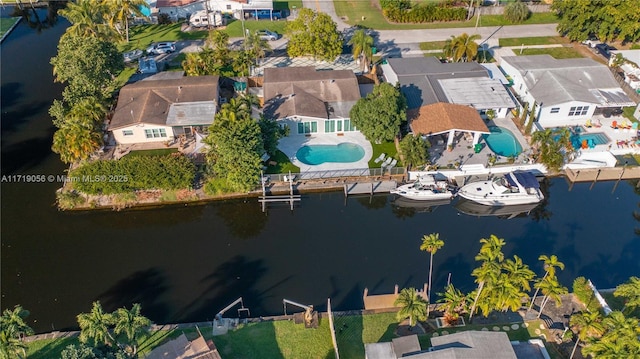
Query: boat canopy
x=526, y=179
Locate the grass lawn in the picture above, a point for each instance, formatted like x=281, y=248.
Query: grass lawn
x=6, y=23
x=158, y=152
x=234, y=29
x=556, y=52
x=354, y=11
x=433, y=45
x=544, y=40
x=141, y=36
x=628, y=113
x=388, y=148
x=287, y=4
x=123, y=76
x=283, y=164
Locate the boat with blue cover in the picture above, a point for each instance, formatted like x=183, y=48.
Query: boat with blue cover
x=518, y=187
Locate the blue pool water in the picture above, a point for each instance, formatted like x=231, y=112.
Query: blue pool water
x=146, y=11
x=502, y=142
x=319, y=154
x=598, y=138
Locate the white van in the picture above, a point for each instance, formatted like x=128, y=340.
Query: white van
x=203, y=18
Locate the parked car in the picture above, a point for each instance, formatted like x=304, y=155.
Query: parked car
x=592, y=41
x=161, y=48
x=268, y=35
x=604, y=49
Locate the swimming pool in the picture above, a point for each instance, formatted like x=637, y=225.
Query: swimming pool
x=502, y=142
x=593, y=139
x=319, y=154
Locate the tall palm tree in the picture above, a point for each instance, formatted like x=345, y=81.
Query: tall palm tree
x=88, y=18
x=550, y=264
x=411, y=304
x=587, y=325
x=551, y=289
x=95, y=326
x=491, y=256
x=13, y=321
x=10, y=344
x=76, y=140
x=619, y=327
x=120, y=11
x=461, y=48
x=629, y=290
x=518, y=273
x=256, y=46
x=362, y=48
x=132, y=324
x=431, y=243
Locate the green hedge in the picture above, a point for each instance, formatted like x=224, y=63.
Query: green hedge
x=134, y=173
x=398, y=11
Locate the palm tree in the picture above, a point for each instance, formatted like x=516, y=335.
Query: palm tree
x=362, y=48
x=13, y=321
x=587, y=325
x=256, y=46
x=132, y=324
x=454, y=300
x=87, y=18
x=431, y=243
x=10, y=344
x=491, y=255
x=120, y=11
x=551, y=289
x=462, y=48
x=411, y=304
x=95, y=326
x=550, y=264
x=631, y=292
x=76, y=140
x=619, y=327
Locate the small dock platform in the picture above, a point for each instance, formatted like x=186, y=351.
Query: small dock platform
x=602, y=174
x=369, y=187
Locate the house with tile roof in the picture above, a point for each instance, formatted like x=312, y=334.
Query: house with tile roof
x=309, y=101
x=162, y=109
x=425, y=81
x=565, y=91
x=447, y=119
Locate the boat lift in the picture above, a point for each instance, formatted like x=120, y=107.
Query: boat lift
x=309, y=317
x=242, y=312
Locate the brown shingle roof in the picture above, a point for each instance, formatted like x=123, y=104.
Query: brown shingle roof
x=441, y=117
x=149, y=101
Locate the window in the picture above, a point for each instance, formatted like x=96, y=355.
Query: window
x=555, y=109
x=348, y=126
x=155, y=133
x=228, y=7
x=339, y=126
x=127, y=132
x=330, y=126
x=578, y=110
x=308, y=127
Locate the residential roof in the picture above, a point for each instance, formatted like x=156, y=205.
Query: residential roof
x=181, y=348
x=169, y=3
x=379, y=351
x=472, y=344
x=153, y=101
x=419, y=77
x=555, y=81
x=467, y=91
x=303, y=91
x=405, y=345
x=631, y=55
x=442, y=117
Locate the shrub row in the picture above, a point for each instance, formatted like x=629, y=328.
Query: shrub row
x=398, y=12
x=134, y=173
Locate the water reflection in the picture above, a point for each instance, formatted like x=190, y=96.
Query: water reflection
x=505, y=212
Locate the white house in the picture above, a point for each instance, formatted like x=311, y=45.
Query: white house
x=256, y=9
x=179, y=9
x=310, y=101
x=425, y=81
x=565, y=91
x=630, y=67
x=162, y=110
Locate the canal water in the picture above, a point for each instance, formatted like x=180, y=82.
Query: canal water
x=185, y=263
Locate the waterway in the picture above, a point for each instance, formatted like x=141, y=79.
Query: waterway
x=185, y=263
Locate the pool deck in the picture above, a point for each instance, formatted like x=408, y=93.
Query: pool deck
x=290, y=146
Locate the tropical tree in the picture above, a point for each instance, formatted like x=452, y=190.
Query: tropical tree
x=513, y=284
x=362, y=48
x=630, y=291
x=256, y=46
x=516, y=12
x=88, y=19
x=314, y=34
x=411, y=304
x=550, y=264
x=454, y=301
x=491, y=256
x=271, y=134
x=13, y=320
x=461, y=48
x=95, y=326
x=132, y=324
x=119, y=12
x=587, y=325
x=431, y=243
x=76, y=140
x=10, y=344
x=379, y=115
x=554, y=145
x=551, y=289
x=415, y=150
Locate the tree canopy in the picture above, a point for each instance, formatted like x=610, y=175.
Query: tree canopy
x=516, y=12
x=415, y=150
x=379, y=115
x=609, y=20
x=462, y=48
x=314, y=34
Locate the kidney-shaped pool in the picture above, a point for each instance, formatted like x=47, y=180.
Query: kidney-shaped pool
x=340, y=153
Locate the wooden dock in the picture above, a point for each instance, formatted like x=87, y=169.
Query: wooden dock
x=369, y=187
x=603, y=174
x=291, y=198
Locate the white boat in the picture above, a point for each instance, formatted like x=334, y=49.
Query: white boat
x=425, y=188
x=519, y=187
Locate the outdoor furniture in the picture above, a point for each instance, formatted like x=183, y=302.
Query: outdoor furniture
x=392, y=164
x=380, y=158
x=386, y=162
x=477, y=148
